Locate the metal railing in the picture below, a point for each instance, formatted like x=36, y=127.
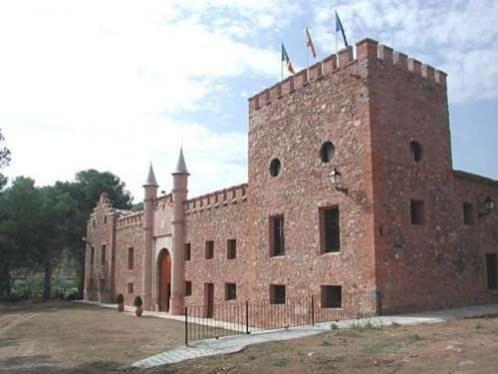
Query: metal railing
x=218, y=320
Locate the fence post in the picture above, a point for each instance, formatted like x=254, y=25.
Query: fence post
x=186, y=326
x=312, y=310
x=247, y=317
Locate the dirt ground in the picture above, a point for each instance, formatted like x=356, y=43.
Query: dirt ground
x=78, y=338
x=465, y=346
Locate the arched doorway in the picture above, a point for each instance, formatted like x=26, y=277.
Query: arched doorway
x=164, y=280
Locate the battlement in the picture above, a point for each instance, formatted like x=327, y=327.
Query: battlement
x=216, y=199
x=130, y=220
x=366, y=49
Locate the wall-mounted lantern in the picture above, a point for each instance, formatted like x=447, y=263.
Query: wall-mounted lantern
x=337, y=181
x=487, y=206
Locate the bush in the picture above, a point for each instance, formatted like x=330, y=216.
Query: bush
x=75, y=295
x=120, y=299
x=138, y=301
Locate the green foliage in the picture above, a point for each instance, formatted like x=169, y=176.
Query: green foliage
x=138, y=301
x=4, y=159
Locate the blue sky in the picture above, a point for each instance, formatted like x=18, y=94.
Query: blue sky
x=114, y=84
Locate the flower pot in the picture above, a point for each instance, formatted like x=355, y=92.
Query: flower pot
x=120, y=307
x=139, y=311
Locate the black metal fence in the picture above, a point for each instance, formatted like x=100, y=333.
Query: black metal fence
x=215, y=321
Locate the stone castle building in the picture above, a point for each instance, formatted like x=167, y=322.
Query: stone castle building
x=351, y=196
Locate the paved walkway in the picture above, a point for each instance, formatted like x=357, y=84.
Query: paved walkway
x=232, y=344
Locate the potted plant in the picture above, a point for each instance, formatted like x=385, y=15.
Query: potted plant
x=120, y=301
x=138, y=304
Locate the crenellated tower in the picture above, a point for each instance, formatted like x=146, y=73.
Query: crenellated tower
x=150, y=191
x=179, y=192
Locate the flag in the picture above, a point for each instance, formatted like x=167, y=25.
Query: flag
x=309, y=43
x=338, y=27
x=285, y=57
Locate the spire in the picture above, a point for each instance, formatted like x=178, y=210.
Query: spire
x=151, y=178
x=181, y=168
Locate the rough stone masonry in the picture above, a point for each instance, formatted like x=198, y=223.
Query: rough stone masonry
x=351, y=197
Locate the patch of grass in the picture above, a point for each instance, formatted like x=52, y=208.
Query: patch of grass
x=334, y=326
x=325, y=343
x=281, y=362
x=391, y=345
x=328, y=361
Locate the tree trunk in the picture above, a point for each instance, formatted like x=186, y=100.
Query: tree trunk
x=47, y=284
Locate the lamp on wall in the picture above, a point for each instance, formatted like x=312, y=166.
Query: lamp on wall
x=336, y=179
x=487, y=206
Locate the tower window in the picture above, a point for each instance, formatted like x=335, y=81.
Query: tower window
x=92, y=255
x=188, y=288
x=230, y=291
x=327, y=152
x=416, y=151
x=331, y=296
x=130, y=287
x=492, y=271
x=209, y=249
x=102, y=255
x=277, y=294
x=231, y=249
x=275, y=167
x=468, y=214
x=329, y=230
x=417, y=211
x=277, y=236
x=105, y=219
x=187, y=251
x=131, y=256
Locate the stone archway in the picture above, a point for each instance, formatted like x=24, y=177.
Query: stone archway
x=164, y=280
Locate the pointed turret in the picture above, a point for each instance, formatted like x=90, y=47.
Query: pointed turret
x=181, y=167
x=151, y=177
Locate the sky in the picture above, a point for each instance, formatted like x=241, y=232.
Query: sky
x=113, y=85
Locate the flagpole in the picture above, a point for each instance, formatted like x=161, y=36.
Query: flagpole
x=307, y=49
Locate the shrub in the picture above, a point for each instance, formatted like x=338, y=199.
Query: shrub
x=120, y=299
x=75, y=295
x=138, y=301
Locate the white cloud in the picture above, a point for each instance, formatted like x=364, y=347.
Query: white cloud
x=458, y=36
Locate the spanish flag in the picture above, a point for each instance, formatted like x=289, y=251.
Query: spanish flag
x=285, y=57
x=309, y=43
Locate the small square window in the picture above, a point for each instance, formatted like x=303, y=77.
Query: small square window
x=130, y=287
x=188, y=288
x=231, y=249
x=417, y=211
x=331, y=296
x=209, y=249
x=468, y=214
x=277, y=247
x=187, y=251
x=130, y=258
x=277, y=294
x=230, y=291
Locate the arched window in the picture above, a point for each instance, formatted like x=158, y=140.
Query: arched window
x=275, y=167
x=327, y=151
x=416, y=151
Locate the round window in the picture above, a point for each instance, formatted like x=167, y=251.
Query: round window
x=327, y=152
x=275, y=167
x=416, y=151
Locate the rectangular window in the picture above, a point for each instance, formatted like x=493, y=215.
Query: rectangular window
x=130, y=287
x=417, y=211
x=277, y=236
x=492, y=271
x=331, y=296
x=230, y=291
x=209, y=249
x=102, y=255
x=330, y=230
x=277, y=294
x=91, y=284
x=130, y=258
x=231, y=249
x=468, y=214
x=187, y=251
x=105, y=219
x=92, y=255
x=188, y=288
x=101, y=284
